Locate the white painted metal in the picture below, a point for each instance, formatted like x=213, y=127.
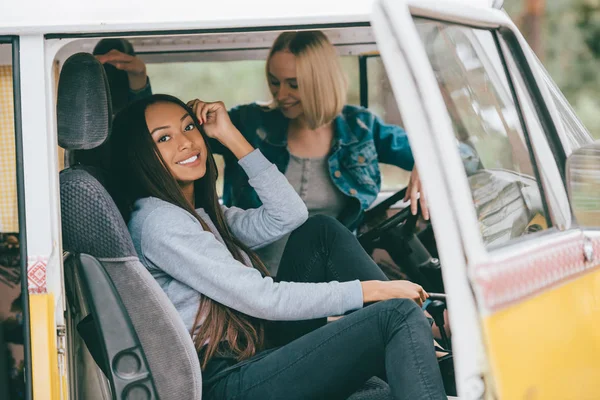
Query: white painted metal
x=42, y=205
x=77, y=16
x=420, y=101
x=220, y=46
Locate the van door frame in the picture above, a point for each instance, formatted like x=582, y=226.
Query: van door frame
x=20, y=176
x=420, y=101
x=393, y=21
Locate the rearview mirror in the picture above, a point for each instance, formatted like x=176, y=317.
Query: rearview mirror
x=583, y=181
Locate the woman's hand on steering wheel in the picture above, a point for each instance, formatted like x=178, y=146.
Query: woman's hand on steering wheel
x=414, y=193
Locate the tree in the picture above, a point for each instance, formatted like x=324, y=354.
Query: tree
x=532, y=23
x=566, y=39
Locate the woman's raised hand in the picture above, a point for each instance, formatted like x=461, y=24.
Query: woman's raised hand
x=213, y=116
x=134, y=66
x=217, y=125
x=386, y=290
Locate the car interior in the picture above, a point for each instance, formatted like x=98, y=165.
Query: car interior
x=123, y=318
x=120, y=320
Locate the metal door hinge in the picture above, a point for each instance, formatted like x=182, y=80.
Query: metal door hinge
x=588, y=250
x=61, y=345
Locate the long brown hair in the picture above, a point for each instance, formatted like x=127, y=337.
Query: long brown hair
x=139, y=171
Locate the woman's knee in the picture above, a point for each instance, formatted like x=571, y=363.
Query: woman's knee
x=403, y=311
x=319, y=223
x=402, y=306
x=320, y=220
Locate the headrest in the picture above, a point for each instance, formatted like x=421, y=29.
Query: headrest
x=84, y=113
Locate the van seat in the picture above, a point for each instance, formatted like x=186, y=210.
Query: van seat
x=147, y=351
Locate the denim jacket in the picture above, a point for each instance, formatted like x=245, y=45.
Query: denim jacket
x=361, y=141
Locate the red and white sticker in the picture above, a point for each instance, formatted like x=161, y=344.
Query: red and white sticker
x=37, y=274
x=509, y=281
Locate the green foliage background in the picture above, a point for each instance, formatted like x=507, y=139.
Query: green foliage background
x=571, y=52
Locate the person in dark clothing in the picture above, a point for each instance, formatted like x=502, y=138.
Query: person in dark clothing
x=128, y=82
x=125, y=71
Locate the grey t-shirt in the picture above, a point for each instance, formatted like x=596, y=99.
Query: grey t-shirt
x=311, y=179
x=189, y=262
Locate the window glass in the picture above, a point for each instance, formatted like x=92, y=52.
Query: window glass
x=490, y=137
x=538, y=135
x=11, y=316
x=577, y=134
x=383, y=103
x=242, y=82
x=232, y=82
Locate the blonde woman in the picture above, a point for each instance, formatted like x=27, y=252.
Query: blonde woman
x=329, y=151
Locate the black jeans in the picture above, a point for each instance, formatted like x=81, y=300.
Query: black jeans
x=318, y=360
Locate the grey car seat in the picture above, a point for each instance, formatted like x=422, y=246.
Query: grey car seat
x=145, y=349
x=133, y=331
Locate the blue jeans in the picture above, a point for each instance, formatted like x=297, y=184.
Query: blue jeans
x=318, y=360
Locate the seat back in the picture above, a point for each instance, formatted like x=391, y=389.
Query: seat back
x=143, y=345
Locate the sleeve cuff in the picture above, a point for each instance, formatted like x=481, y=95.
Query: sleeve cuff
x=353, y=295
x=142, y=89
x=254, y=163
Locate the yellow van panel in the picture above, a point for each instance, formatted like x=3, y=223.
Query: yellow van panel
x=548, y=346
x=44, y=356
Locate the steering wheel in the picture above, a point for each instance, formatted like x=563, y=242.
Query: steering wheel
x=397, y=235
x=403, y=217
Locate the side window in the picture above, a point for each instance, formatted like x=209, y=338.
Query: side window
x=380, y=100
x=233, y=82
x=243, y=81
x=11, y=329
x=506, y=194
x=576, y=132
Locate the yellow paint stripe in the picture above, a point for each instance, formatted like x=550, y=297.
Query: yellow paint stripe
x=548, y=347
x=64, y=394
x=46, y=383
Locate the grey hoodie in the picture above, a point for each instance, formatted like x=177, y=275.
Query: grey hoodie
x=189, y=262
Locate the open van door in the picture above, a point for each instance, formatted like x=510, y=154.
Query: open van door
x=520, y=276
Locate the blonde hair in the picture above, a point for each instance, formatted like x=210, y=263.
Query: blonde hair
x=322, y=83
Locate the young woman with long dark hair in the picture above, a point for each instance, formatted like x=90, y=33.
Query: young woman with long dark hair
x=260, y=337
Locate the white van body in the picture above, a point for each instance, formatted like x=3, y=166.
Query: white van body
x=49, y=33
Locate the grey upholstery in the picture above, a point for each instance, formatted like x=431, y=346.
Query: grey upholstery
x=84, y=114
x=92, y=224
x=104, y=233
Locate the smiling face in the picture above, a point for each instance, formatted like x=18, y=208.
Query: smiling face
x=283, y=84
x=178, y=140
